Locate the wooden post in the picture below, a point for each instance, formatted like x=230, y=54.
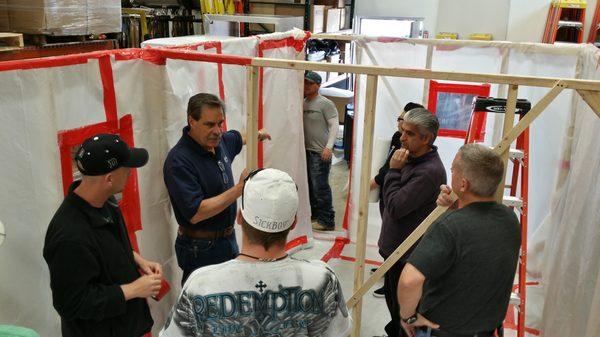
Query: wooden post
x=363, y=203
x=502, y=92
x=529, y=118
x=396, y=255
x=428, y=63
x=509, y=121
x=252, y=74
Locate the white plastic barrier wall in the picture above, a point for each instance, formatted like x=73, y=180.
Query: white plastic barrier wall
x=47, y=103
x=393, y=93
x=564, y=232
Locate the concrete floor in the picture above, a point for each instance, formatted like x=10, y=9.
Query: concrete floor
x=374, y=311
x=338, y=178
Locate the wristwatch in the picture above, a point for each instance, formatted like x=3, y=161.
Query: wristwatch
x=410, y=320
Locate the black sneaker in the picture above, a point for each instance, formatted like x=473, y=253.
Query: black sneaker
x=379, y=293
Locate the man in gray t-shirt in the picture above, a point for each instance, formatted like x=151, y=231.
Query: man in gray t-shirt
x=320, y=130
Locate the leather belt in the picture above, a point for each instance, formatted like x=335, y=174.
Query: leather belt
x=441, y=333
x=205, y=234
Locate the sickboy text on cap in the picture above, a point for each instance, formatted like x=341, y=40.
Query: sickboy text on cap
x=270, y=201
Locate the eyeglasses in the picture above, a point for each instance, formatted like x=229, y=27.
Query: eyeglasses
x=250, y=175
x=223, y=173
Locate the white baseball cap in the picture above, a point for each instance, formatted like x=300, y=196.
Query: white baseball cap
x=270, y=200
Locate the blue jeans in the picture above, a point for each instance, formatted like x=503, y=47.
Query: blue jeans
x=319, y=192
x=195, y=253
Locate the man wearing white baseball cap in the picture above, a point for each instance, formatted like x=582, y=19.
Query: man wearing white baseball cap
x=263, y=292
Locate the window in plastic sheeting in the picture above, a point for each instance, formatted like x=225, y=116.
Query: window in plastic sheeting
x=452, y=104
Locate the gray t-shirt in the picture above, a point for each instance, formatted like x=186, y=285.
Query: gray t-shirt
x=316, y=130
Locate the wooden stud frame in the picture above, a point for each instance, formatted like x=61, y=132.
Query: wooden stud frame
x=588, y=89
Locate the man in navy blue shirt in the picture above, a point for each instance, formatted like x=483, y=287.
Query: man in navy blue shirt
x=198, y=176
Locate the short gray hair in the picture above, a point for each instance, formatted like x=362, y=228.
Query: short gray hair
x=482, y=168
x=426, y=122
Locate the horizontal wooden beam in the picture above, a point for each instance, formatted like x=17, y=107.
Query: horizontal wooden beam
x=527, y=47
x=428, y=74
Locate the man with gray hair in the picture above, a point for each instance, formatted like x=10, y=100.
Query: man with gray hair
x=461, y=274
x=409, y=194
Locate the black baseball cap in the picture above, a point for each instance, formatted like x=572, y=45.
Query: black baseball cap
x=313, y=77
x=104, y=153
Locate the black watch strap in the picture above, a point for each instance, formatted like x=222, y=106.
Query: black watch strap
x=410, y=320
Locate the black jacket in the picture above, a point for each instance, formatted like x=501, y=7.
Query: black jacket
x=394, y=145
x=89, y=256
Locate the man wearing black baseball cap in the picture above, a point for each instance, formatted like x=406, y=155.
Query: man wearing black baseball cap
x=321, y=124
x=99, y=284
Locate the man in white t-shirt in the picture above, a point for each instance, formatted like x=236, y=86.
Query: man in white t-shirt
x=262, y=292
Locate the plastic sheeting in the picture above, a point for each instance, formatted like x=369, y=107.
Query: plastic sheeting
x=521, y=59
x=62, y=17
x=64, y=94
x=569, y=265
x=567, y=250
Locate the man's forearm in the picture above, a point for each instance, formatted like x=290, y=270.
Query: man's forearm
x=215, y=205
x=408, y=298
x=333, y=126
x=410, y=289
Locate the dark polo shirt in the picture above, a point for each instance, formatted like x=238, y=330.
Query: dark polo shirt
x=193, y=174
x=89, y=256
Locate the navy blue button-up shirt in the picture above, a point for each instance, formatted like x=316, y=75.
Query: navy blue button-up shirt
x=193, y=174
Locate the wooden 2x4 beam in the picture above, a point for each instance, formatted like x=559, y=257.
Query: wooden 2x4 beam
x=547, y=82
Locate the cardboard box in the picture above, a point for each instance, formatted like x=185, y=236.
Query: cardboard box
x=104, y=16
x=317, y=18
x=331, y=3
x=4, y=22
x=332, y=19
x=282, y=9
x=65, y=17
x=263, y=9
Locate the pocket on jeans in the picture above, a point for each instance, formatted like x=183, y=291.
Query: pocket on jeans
x=188, y=250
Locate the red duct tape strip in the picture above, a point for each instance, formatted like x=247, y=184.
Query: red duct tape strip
x=108, y=86
x=70, y=138
x=219, y=49
x=301, y=240
x=130, y=203
x=196, y=56
x=336, y=249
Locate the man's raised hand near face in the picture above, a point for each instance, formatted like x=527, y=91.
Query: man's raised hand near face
x=399, y=158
